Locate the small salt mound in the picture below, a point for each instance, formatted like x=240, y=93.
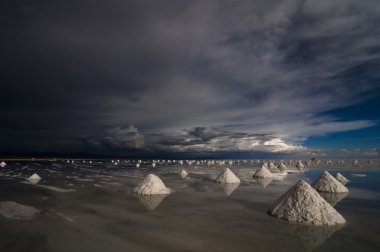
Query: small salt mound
x=3, y=164
x=342, y=179
x=263, y=172
x=16, y=211
x=151, y=185
x=183, y=173
x=282, y=166
x=34, y=179
x=227, y=177
x=138, y=165
x=299, y=165
x=153, y=165
x=271, y=165
x=327, y=183
x=302, y=204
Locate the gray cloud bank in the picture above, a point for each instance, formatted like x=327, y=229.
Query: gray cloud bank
x=183, y=76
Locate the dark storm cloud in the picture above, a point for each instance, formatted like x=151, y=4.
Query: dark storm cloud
x=73, y=70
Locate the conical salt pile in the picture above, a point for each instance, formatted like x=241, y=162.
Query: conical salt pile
x=271, y=165
x=151, y=185
x=299, y=165
x=263, y=172
x=282, y=166
x=183, y=173
x=34, y=179
x=3, y=164
x=342, y=179
x=327, y=183
x=227, y=177
x=302, y=204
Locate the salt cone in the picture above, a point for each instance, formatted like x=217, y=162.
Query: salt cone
x=34, y=179
x=151, y=185
x=302, y=204
x=263, y=172
x=183, y=173
x=342, y=179
x=327, y=183
x=227, y=177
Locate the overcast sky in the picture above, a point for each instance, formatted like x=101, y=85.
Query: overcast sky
x=190, y=78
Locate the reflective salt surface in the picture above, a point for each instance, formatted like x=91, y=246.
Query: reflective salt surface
x=90, y=207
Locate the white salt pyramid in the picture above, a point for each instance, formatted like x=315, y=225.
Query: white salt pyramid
x=153, y=165
x=138, y=165
x=34, y=179
x=263, y=172
x=151, y=185
x=271, y=165
x=282, y=166
x=227, y=177
x=3, y=164
x=183, y=173
x=327, y=183
x=299, y=165
x=302, y=204
x=342, y=179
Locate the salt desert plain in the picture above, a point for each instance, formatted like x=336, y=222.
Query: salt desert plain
x=83, y=205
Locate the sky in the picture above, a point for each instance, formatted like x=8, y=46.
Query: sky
x=188, y=79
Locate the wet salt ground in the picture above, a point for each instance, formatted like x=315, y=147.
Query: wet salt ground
x=101, y=214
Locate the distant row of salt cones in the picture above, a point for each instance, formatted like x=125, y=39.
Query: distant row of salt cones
x=300, y=204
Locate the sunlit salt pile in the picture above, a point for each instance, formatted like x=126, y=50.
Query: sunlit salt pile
x=342, y=179
x=34, y=179
x=183, y=173
x=327, y=183
x=227, y=177
x=14, y=210
x=151, y=185
x=303, y=204
x=263, y=172
x=3, y=164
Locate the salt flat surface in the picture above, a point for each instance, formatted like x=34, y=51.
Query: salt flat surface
x=94, y=209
